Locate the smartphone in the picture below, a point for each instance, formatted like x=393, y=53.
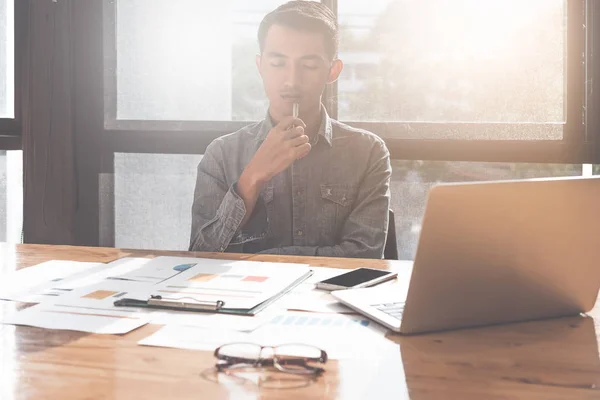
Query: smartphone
x=357, y=278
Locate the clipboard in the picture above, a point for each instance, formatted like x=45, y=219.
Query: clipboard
x=188, y=303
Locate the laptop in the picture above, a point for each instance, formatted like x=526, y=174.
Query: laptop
x=495, y=252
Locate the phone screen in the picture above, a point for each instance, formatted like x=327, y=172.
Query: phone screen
x=356, y=277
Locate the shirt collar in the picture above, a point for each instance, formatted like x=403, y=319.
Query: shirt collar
x=325, y=129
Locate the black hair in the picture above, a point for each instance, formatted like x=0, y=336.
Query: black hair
x=303, y=15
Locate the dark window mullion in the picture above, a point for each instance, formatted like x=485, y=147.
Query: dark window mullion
x=110, y=33
x=330, y=95
x=21, y=8
x=593, y=71
x=519, y=151
x=10, y=142
x=174, y=126
x=574, y=130
x=541, y=151
x=9, y=126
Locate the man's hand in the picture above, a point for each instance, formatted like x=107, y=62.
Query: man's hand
x=284, y=144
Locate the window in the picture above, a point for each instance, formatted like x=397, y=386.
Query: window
x=11, y=164
x=411, y=181
x=11, y=196
x=466, y=79
x=7, y=75
x=480, y=90
x=507, y=79
x=186, y=60
x=153, y=195
x=460, y=61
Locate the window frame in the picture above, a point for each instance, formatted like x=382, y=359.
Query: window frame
x=579, y=145
x=11, y=128
x=97, y=142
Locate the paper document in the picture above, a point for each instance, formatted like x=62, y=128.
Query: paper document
x=153, y=270
x=34, y=284
x=314, y=300
x=111, y=270
x=58, y=317
x=221, y=285
x=101, y=296
x=306, y=297
x=244, y=323
x=341, y=336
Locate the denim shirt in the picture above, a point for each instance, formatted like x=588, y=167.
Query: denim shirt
x=333, y=202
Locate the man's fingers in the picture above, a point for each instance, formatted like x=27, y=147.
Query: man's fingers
x=288, y=122
x=294, y=132
x=303, y=150
x=299, y=140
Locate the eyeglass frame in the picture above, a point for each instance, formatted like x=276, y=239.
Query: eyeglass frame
x=230, y=361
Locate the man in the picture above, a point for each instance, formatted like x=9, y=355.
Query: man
x=305, y=186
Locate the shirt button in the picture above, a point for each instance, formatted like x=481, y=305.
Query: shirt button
x=299, y=233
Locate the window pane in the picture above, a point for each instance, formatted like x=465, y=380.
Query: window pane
x=11, y=196
x=454, y=61
x=7, y=78
x=188, y=60
x=411, y=180
x=153, y=196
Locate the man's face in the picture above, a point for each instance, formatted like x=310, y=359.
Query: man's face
x=295, y=68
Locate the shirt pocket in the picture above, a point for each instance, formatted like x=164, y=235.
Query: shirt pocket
x=336, y=205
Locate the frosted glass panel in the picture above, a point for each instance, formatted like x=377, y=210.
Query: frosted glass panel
x=7, y=73
x=153, y=195
x=454, y=61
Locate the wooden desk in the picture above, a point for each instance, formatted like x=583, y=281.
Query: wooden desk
x=552, y=359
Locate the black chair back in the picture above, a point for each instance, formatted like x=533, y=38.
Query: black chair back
x=390, y=252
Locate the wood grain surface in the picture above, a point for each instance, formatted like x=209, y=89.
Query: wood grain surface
x=550, y=359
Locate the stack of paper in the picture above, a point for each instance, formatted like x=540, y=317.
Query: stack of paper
x=59, y=317
x=35, y=284
x=82, y=296
x=236, y=287
x=80, y=292
x=74, y=296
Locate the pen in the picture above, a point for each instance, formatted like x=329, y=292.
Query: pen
x=295, y=112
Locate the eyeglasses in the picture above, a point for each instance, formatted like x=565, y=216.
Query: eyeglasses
x=293, y=358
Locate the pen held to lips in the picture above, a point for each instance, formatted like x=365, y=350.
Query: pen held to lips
x=295, y=112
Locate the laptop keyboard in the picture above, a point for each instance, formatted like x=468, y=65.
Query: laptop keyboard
x=394, y=310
